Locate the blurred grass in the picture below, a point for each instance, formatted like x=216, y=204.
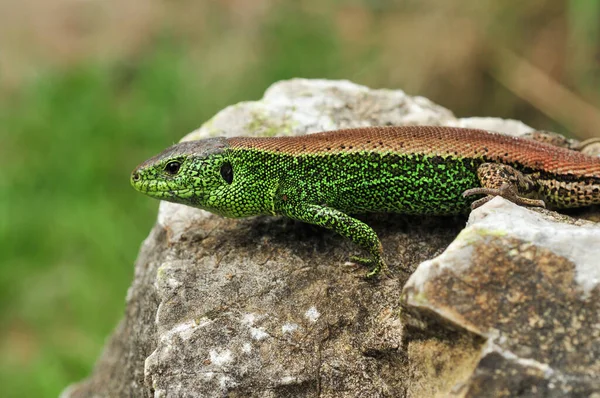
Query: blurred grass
x=70, y=225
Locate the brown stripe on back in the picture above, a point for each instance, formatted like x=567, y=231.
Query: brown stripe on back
x=431, y=140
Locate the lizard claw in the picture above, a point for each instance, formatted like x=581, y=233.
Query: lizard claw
x=506, y=191
x=378, y=266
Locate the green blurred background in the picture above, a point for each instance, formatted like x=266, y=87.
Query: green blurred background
x=88, y=89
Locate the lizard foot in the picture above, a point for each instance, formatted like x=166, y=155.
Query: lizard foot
x=506, y=191
x=377, y=266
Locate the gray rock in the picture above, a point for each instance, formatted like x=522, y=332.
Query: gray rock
x=266, y=307
x=528, y=283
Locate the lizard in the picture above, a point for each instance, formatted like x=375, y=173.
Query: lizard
x=322, y=178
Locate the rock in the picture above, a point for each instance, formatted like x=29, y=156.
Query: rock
x=528, y=283
x=266, y=307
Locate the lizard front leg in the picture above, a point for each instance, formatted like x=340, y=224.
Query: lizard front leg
x=349, y=227
x=499, y=179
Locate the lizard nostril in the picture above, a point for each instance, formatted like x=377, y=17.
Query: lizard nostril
x=136, y=177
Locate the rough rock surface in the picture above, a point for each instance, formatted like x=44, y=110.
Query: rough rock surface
x=266, y=307
x=528, y=282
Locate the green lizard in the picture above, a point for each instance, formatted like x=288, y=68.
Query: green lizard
x=321, y=178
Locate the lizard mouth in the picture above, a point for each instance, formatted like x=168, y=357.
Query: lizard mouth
x=168, y=195
x=156, y=188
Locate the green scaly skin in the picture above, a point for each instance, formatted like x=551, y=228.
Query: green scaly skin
x=317, y=187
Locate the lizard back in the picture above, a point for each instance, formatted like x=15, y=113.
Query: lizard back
x=433, y=141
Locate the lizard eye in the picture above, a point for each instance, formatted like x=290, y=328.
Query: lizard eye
x=173, y=167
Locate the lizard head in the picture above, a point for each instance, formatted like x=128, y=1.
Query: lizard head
x=189, y=173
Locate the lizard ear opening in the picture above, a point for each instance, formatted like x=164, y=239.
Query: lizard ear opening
x=227, y=172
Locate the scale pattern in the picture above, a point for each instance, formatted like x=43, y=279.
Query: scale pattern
x=432, y=140
x=564, y=178
x=360, y=182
